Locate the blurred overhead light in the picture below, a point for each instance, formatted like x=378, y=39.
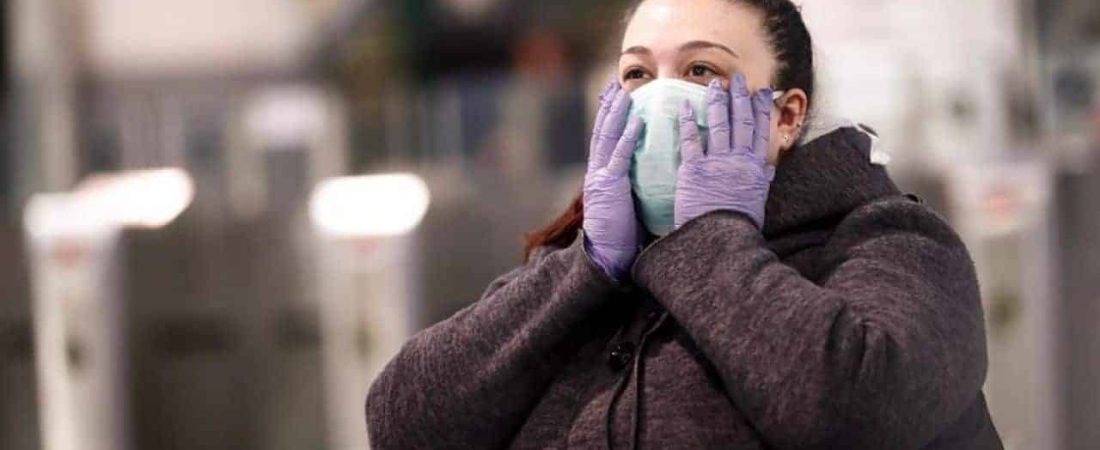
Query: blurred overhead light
x=142, y=199
x=145, y=199
x=366, y=206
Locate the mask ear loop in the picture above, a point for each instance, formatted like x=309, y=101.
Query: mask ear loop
x=776, y=95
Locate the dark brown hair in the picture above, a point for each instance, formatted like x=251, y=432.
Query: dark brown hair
x=793, y=48
x=559, y=234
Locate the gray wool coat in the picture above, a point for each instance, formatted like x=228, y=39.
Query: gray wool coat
x=853, y=321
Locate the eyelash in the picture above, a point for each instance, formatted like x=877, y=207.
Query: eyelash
x=634, y=74
x=711, y=70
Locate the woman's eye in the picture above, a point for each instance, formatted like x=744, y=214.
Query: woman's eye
x=699, y=70
x=634, y=74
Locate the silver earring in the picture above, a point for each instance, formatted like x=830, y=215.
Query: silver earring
x=786, y=139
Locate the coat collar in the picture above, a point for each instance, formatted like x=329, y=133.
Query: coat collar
x=823, y=180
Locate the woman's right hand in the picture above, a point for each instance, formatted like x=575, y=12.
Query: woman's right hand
x=610, y=227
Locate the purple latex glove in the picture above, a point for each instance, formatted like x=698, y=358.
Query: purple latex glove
x=610, y=226
x=734, y=173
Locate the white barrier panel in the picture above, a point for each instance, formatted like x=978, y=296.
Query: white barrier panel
x=78, y=310
x=365, y=272
x=79, y=344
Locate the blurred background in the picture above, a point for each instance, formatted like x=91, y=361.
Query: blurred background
x=219, y=219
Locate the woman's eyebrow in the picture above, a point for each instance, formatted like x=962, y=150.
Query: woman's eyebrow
x=700, y=45
x=693, y=45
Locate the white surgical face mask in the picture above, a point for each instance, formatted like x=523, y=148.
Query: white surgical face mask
x=653, y=171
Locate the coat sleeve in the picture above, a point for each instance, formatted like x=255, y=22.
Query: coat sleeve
x=470, y=381
x=885, y=352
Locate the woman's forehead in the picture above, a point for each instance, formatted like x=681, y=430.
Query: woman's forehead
x=663, y=26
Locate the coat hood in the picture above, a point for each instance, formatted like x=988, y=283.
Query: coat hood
x=837, y=167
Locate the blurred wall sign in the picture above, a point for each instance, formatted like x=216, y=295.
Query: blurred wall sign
x=76, y=288
x=1001, y=199
x=365, y=272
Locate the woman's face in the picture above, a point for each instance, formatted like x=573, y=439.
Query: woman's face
x=697, y=41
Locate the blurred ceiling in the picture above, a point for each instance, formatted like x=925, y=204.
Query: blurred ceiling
x=152, y=37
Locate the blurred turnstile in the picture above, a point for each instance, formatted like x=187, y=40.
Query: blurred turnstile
x=1079, y=264
x=79, y=315
x=367, y=313
x=80, y=350
x=1004, y=213
x=19, y=410
x=365, y=267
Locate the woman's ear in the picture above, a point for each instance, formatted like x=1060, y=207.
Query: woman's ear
x=792, y=108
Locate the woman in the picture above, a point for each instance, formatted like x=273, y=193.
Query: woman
x=728, y=303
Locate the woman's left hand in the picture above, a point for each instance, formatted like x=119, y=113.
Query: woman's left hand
x=733, y=173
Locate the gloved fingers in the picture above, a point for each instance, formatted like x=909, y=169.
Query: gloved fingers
x=612, y=128
x=624, y=151
x=762, y=110
x=742, y=119
x=691, y=145
x=718, y=118
x=607, y=96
